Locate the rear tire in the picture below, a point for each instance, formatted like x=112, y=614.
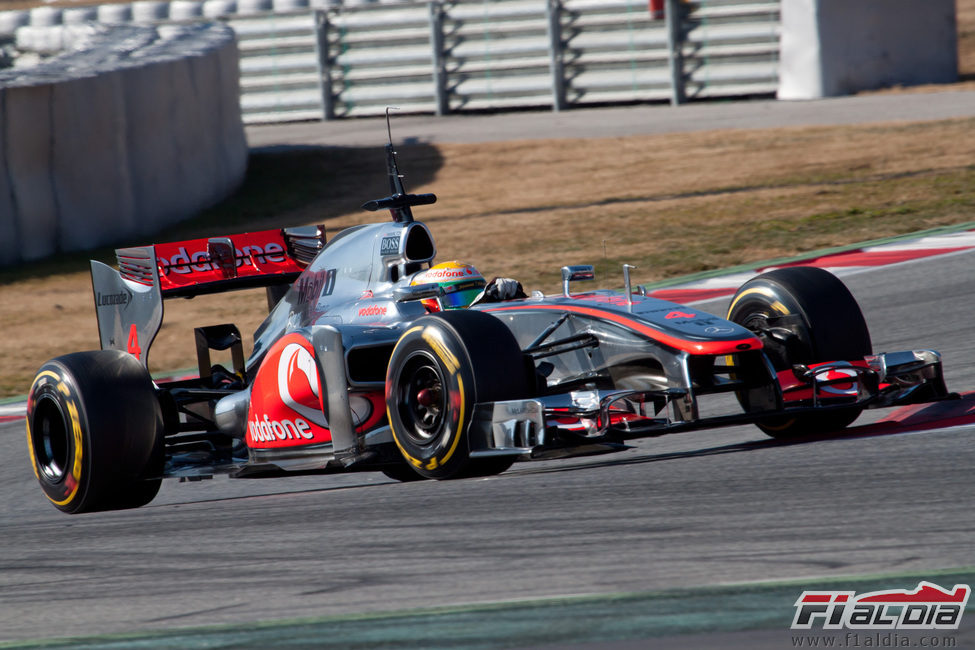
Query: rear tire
x=94, y=431
x=440, y=368
x=815, y=319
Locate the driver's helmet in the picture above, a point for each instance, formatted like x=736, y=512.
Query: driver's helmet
x=460, y=282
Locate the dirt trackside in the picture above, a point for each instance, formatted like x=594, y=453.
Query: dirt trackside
x=670, y=204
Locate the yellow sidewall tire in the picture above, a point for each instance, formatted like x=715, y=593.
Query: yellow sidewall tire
x=94, y=432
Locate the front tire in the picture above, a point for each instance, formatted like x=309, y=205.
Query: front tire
x=94, y=431
x=440, y=368
x=803, y=315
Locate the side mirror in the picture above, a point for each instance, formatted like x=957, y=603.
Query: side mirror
x=575, y=274
x=417, y=292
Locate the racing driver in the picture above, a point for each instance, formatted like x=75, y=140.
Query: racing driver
x=462, y=285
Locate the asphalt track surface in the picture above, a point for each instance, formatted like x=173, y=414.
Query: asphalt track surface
x=690, y=511
x=673, y=520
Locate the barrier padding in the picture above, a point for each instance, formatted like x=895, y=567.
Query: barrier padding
x=838, y=47
x=137, y=129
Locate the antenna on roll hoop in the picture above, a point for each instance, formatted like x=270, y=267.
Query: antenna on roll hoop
x=395, y=178
x=399, y=202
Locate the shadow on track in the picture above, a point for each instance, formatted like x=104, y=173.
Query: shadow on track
x=909, y=419
x=917, y=418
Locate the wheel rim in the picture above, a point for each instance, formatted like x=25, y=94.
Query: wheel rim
x=423, y=402
x=49, y=435
x=755, y=317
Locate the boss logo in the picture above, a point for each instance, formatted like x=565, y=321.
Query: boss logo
x=389, y=245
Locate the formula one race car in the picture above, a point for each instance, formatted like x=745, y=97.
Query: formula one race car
x=358, y=367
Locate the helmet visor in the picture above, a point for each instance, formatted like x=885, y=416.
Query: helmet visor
x=461, y=294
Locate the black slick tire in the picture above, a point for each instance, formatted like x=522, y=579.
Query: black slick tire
x=441, y=367
x=94, y=432
x=803, y=315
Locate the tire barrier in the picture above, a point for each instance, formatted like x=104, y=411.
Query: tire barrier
x=133, y=129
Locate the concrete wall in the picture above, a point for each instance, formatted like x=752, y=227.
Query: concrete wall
x=839, y=47
x=135, y=129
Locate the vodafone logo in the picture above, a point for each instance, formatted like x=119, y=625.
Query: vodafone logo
x=441, y=274
x=268, y=430
x=187, y=261
x=298, y=383
x=373, y=310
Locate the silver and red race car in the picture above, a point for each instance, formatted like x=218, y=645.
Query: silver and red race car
x=352, y=372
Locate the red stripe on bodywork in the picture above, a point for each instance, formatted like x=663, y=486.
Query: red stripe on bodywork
x=691, y=295
x=694, y=347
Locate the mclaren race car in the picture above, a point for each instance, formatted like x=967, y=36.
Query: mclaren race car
x=359, y=368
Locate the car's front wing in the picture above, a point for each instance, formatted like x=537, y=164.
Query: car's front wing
x=586, y=417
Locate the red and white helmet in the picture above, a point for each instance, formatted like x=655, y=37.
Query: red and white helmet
x=460, y=282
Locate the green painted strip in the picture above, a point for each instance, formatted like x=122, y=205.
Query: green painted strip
x=549, y=621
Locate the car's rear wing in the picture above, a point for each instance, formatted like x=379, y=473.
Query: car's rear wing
x=129, y=300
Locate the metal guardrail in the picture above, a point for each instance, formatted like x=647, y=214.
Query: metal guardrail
x=379, y=56
x=280, y=73
x=730, y=48
x=446, y=56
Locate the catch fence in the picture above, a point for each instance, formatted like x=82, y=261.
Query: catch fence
x=446, y=56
